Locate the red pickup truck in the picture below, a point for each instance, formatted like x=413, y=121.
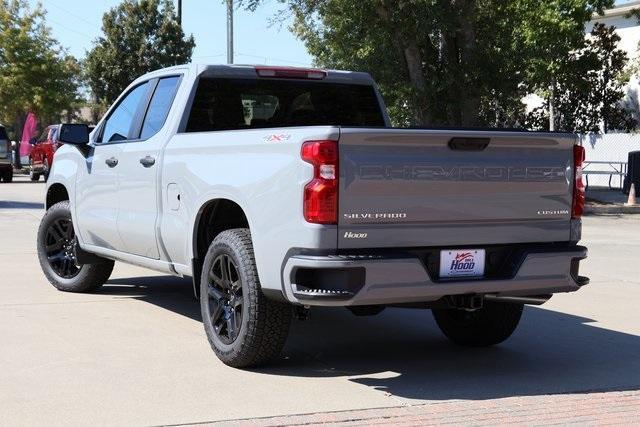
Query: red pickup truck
x=41, y=157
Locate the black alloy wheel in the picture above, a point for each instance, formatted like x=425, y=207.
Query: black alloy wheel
x=60, y=242
x=225, y=299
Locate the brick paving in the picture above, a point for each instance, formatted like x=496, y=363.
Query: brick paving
x=586, y=409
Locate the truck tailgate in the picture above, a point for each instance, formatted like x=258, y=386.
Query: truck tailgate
x=419, y=188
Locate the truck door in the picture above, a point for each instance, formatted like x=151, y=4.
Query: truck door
x=139, y=175
x=97, y=201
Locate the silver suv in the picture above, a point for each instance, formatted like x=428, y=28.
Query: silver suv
x=6, y=170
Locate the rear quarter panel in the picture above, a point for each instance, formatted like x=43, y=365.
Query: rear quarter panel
x=260, y=170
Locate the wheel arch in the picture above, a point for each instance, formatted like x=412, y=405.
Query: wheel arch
x=213, y=217
x=56, y=193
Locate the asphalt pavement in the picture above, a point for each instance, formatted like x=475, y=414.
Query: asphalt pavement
x=136, y=353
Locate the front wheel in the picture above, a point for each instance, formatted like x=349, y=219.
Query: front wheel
x=8, y=176
x=56, y=253
x=490, y=325
x=244, y=328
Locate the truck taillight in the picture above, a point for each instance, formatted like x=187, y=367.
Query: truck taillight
x=578, y=185
x=321, y=193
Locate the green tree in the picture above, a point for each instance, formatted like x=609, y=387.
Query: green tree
x=139, y=36
x=446, y=62
x=35, y=72
x=590, y=88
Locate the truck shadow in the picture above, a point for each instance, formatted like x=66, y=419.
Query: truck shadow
x=401, y=352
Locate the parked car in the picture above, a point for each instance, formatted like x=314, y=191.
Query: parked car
x=6, y=167
x=279, y=189
x=41, y=157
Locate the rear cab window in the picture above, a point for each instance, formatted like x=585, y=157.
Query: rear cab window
x=159, y=106
x=245, y=103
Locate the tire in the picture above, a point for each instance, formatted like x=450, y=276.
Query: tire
x=56, y=241
x=260, y=332
x=7, y=176
x=46, y=169
x=490, y=325
x=33, y=176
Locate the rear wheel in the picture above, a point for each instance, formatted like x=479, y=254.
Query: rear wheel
x=244, y=328
x=7, y=176
x=33, y=176
x=56, y=253
x=490, y=325
x=45, y=169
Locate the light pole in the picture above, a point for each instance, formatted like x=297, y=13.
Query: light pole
x=229, y=31
x=180, y=13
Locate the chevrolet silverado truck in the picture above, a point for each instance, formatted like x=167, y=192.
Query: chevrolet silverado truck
x=279, y=189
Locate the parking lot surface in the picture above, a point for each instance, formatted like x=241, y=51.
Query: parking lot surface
x=135, y=352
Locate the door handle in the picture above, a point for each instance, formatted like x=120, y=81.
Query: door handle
x=147, y=161
x=112, y=162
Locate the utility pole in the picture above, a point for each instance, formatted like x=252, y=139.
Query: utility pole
x=229, y=31
x=180, y=13
x=552, y=107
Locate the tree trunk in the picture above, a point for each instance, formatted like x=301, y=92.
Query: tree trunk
x=413, y=62
x=413, y=59
x=470, y=98
x=460, y=52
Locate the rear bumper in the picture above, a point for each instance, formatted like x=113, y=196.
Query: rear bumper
x=342, y=280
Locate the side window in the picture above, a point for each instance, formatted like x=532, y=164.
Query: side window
x=119, y=125
x=159, y=106
x=43, y=135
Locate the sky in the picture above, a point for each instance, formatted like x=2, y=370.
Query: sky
x=75, y=24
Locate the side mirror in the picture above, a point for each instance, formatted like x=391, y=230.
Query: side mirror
x=75, y=134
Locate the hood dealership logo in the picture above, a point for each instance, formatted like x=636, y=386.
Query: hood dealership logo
x=352, y=235
x=463, y=262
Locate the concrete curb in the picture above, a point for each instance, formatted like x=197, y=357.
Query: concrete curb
x=617, y=209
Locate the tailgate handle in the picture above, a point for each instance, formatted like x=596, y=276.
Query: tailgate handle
x=469, y=144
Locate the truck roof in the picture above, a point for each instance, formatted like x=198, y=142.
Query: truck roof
x=250, y=71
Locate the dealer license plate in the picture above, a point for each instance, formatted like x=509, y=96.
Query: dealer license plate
x=462, y=263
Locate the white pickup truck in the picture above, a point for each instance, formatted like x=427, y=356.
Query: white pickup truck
x=277, y=189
